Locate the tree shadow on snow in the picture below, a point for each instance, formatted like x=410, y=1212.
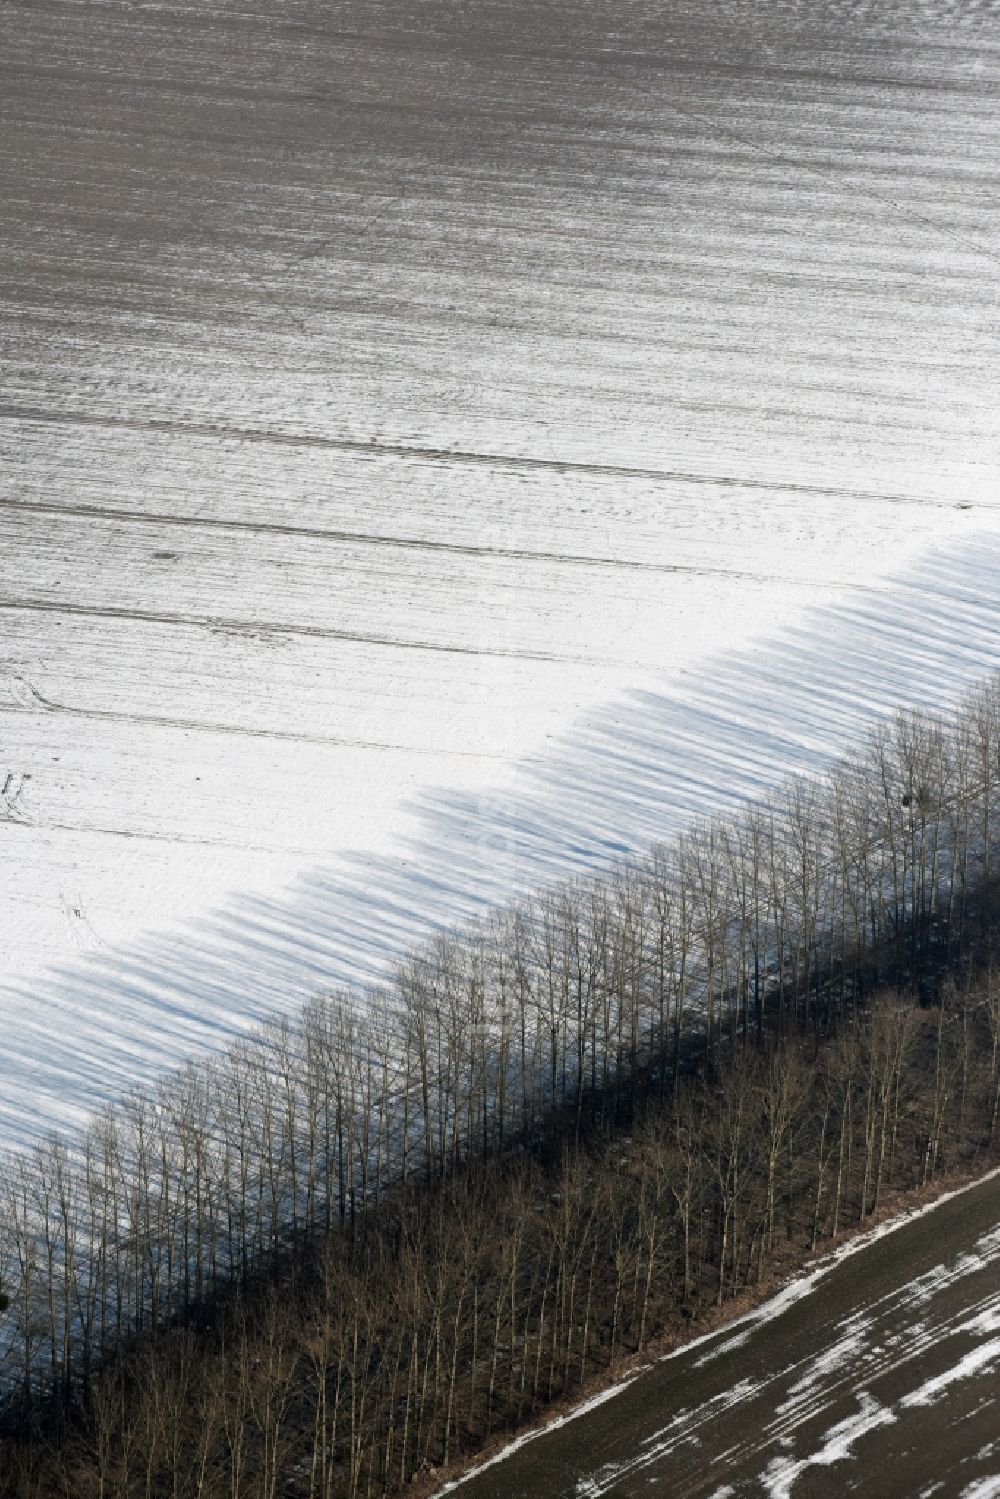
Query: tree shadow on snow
x=631, y=771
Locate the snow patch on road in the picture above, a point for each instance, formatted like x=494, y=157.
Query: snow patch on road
x=844, y=1348
x=530, y=1436
x=980, y=1359
x=682, y=1429
x=983, y=1488
x=783, y=1472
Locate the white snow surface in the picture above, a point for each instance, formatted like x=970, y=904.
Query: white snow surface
x=980, y=1359
x=443, y=451
x=783, y=1472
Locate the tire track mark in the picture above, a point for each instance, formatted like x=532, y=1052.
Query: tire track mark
x=401, y=543
x=192, y=840
x=30, y=700
x=511, y=463
x=270, y=629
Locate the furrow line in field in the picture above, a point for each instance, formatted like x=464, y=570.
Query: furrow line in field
x=274, y=628
x=846, y=179
x=510, y=462
x=37, y=703
x=401, y=543
x=758, y=69
x=193, y=840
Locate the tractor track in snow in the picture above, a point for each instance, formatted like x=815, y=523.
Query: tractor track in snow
x=33, y=701
x=457, y=457
x=341, y=536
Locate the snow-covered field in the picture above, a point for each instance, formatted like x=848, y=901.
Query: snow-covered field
x=445, y=445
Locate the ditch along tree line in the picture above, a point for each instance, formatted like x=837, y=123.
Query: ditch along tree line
x=362, y=1244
